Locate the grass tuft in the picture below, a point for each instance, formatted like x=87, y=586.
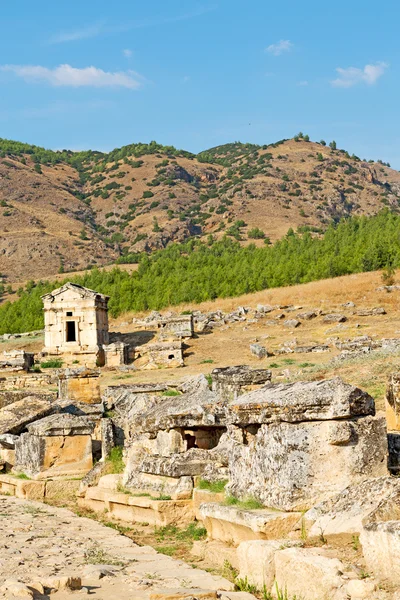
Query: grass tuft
x=212, y=486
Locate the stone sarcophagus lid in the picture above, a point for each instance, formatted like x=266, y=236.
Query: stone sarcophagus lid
x=231, y=382
x=57, y=446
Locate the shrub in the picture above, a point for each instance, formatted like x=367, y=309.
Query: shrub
x=256, y=234
x=52, y=364
x=147, y=194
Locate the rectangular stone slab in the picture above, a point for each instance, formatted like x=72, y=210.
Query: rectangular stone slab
x=302, y=401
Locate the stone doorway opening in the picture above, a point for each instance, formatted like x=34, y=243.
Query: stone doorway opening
x=71, y=331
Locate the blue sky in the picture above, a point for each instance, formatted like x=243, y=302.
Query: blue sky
x=195, y=74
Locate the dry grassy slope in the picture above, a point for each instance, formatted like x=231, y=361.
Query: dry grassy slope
x=41, y=222
x=41, y=218
x=230, y=344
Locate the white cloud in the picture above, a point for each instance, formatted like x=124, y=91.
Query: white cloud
x=279, y=48
x=127, y=53
x=303, y=83
x=79, y=34
x=65, y=75
x=353, y=76
x=102, y=28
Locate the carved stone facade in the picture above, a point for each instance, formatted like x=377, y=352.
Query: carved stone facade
x=76, y=322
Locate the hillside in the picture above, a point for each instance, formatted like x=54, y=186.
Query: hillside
x=65, y=211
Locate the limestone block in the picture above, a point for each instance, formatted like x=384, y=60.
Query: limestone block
x=257, y=563
x=178, y=488
x=169, y=442
x=215, y=552
x=230, y=382
x=359, y=589
x=235, y=525
x=308, y=573
x=139, y=509
x=302, y=401
x=80, y=385
x=344, y=512
x=15, y=417
x=285, y=465
x=182, y=593
x=205, y=496
x=380, y=540
x=62, y=489
x=392, y=402
x=110, y=482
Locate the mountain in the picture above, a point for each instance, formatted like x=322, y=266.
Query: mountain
x=65, y=211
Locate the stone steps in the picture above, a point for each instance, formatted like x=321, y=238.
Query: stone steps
x=138, y=509
x=233, y=525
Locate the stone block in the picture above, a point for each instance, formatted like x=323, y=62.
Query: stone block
x=343, y=513
x=230, y=382
x=205, y=496
x=308, y=573
x=80, y=385
x=284, y=464
x=139, y=509
x=256, y=560
x=15, y=417
x=182, y=594
x=392, y=402
x=235, y=525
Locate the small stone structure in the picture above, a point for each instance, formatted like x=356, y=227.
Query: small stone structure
x=167, y=354
x=179, y=326
x=76, y=322
x=79, y=385
x=56, y=446
x=16, y=360
x=116, y=354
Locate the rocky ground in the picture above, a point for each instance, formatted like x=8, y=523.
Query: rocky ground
x=48, y=549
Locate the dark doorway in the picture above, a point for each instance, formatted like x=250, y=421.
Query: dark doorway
x=71, y=331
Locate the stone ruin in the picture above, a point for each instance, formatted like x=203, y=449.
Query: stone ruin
x=76, y=323
x=306, y=456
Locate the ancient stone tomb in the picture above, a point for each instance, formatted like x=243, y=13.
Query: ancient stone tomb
x=76, y=322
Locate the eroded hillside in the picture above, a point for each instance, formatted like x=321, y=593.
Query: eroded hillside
x=67, y=211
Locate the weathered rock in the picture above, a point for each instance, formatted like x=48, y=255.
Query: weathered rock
x=311, y=348
x=392, y=402
x=302, y=401
x=79, y=385
x=369, y=312
x=57, y=445
x=334, y=318
x=16, y=360
x=291, y=323
x=360, y=588
x=16, y=589
x=258, y=350
x=234, y=525
x=380, y=540
x=283, y=465
x=15, y=417
x=231, y=382
x=308, y=315
x=308, y=573
x=344, y=512
x=257, y=561
x=264, y=308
